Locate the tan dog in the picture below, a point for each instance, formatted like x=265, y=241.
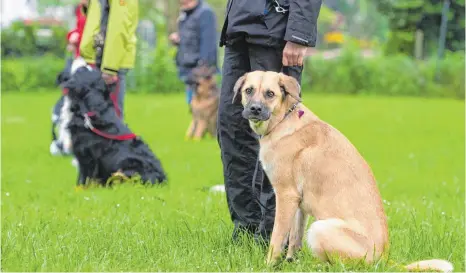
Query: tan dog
x=314, y=170
x=204, y=104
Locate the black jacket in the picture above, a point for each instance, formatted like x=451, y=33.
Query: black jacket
x=258, y=22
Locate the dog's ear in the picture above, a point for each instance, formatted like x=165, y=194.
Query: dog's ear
x=289, y=86
x=237, y=89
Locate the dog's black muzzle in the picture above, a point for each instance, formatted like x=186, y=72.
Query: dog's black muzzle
x=256, y=111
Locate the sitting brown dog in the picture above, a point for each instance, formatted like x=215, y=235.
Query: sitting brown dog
x=315, y=170
x=204, y=104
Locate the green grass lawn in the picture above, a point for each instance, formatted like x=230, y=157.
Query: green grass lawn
x=415, y=147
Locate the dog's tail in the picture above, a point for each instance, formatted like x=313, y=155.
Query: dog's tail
x=430, y=265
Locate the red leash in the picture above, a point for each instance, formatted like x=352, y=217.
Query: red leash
x=88, y=124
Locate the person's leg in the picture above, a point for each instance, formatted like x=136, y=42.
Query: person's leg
x=189, y=94
x=238, y=145
x=183, y=75
x=117, y=92
x=268, y=59
x=68, y=64
x=121, y=91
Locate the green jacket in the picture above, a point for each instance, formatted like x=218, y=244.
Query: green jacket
x=120, y=40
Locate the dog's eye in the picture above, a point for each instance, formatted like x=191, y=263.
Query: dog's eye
x=269, y=94
x=248, y=91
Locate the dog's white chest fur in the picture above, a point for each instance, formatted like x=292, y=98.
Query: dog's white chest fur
x=267, y=165
x=270, y=160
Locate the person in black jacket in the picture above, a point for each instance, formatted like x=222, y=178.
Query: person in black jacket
x=271, y=35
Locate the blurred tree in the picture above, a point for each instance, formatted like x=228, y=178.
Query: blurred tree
x=34, y=38
x=406, y=16
x=351, y=20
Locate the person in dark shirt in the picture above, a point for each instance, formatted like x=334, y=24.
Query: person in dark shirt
x=196, y=40
x=272, y=35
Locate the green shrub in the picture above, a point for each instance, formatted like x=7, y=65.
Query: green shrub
x=160, y=74
x=394, y=75
x=31, y=73
x=22, y=39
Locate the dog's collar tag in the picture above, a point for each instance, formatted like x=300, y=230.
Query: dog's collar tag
x=300, y=113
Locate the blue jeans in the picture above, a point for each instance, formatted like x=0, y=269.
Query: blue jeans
x=189, y=93
x=120, y=90
x=183, y=75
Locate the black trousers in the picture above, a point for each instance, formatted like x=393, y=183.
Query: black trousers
x=239, y=144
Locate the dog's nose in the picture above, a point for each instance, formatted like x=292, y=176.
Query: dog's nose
x=256, y=109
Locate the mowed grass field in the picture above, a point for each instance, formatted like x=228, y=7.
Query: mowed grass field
x=415, y=147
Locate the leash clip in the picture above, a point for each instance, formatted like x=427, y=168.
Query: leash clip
x=279, y=8
x=87, y=122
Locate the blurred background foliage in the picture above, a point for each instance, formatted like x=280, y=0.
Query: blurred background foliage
x=362, y=47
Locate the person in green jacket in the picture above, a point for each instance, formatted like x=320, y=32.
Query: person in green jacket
x=109, y=42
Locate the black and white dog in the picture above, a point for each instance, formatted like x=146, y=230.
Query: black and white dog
x=101, y=143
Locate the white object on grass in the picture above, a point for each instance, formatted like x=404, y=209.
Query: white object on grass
x=218, y=188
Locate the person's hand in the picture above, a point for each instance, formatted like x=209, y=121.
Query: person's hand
x=174, y=38
x=74, y=37
x=70, y=47
x=293, y=54
x=109, y=79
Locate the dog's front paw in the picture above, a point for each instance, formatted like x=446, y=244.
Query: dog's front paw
x=116, y=178
x=271, y=262
x=272, y=258
x=79, y=188
x=289, y=259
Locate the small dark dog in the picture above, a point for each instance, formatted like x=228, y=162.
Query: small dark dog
x=103, y=146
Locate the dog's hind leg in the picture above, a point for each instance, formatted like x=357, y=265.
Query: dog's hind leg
x=201, y=127
x=296, y=234
x=335, y=238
